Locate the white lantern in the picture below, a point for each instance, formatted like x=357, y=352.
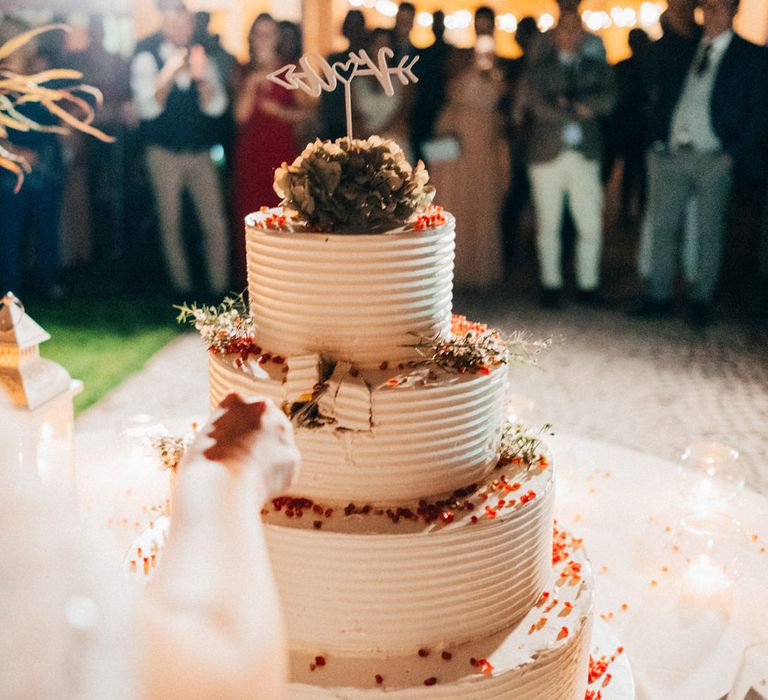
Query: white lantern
x=36, y=411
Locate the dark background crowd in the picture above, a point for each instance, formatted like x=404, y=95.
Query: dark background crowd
x=570, y=178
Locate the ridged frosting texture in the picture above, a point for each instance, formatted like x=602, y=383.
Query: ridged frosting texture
x=358, y=298
x=543, y=665
x=377, y=592
x=423, y=439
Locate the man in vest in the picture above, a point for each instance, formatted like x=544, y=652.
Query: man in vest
x=710, y=117
x=178, y=94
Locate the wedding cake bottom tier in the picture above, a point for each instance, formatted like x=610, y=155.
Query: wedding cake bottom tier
x=543, y=657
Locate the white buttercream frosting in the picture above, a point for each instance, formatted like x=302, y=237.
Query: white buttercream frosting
x=368, y=583
x=424, y=438
x=358, y=298
x=531, y=660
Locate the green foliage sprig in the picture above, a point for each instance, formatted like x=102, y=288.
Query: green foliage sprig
x=225, y=328
x=521, y=444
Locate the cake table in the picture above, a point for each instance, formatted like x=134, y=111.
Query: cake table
x=682, y=644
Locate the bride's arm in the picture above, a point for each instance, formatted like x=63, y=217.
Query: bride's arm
x=211, y=613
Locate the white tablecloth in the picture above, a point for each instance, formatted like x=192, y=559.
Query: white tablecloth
x=626, y=505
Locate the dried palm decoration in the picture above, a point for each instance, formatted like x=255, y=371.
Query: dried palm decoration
x=71, y=110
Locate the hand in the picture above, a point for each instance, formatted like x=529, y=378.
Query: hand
x=250, y=435
x=198, y=63
x=176, y=62
x=583, y=111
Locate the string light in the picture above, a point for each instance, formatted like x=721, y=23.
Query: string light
x=506, y=22
x=386, y=8
x=424, y=19
x=546, y=22
x=622, y=17
x=461, y=19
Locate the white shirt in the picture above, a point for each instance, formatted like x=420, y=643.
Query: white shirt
x=692, y=121
x=144, y=72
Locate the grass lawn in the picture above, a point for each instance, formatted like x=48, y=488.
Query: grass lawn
x=102, y=341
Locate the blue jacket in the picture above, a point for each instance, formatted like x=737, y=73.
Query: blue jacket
x=739, y=103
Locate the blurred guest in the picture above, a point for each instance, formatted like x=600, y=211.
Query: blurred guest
x=681, y=35
x=225, y=61
x=104, y=164
x=36, y=208
x=401, y=33
x=515, y=110
x=569, y=92
x=178, y=94
x=591, y=45
x=289, y=41
x=429, y=92
x=375, y=111
x=332, y=109
x=266, y=116
x=711, y=116
x=471, y=185
x=630, y=121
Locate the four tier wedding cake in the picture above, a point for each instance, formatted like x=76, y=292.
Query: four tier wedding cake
x=415, y=556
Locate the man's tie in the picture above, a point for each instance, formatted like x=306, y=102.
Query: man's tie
x=702, y=65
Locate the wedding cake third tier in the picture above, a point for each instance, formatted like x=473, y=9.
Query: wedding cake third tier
x=415, y=555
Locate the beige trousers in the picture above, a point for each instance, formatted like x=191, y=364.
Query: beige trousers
x=171, y=173
x=570, y=173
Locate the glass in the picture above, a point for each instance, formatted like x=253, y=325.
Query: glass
x=710, y=474
x=752, y=677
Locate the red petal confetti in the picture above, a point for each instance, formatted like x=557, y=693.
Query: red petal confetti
x=597, y=667
x=593, y=695
x=430, y=681
x=485, y=666
x=423, y=653
x=379, y=679
x=432, y=218
x=320, y=660
x=563, y=633
x=446, y=655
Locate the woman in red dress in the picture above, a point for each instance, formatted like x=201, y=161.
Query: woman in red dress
x=266, y=116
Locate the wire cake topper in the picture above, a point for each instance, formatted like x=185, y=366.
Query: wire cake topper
x=327, y=76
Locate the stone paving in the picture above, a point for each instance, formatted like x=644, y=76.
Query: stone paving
x=652, y=386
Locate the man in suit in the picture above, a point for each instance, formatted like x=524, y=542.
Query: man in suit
x=569, y=91
x=710, y=114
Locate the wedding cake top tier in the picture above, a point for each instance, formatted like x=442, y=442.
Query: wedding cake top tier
x=364, y=299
